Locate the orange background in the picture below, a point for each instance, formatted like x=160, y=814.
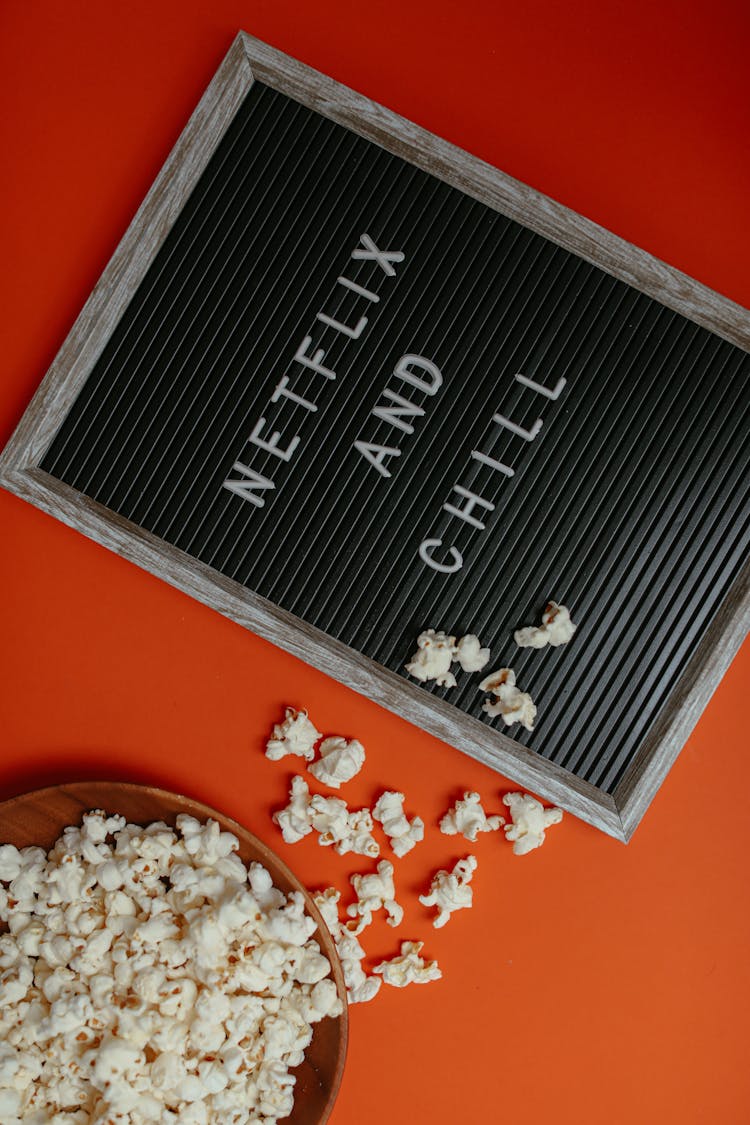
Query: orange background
x=592, y=982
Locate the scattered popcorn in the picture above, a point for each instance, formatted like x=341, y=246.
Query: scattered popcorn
x=513, y=705
x=327, y=902
x=346, y=831
x=359, y=838
x=470, y=654
x=296, y=735
x=402, y=834
x=433, y=658
x=149, y=976
x=450, y=891
x=530, y=818
x=329, y=816
x=437, y=651
x=409, y=968
x=360, y=987
x=467, y=818
x=337, y=826
x=374, y=891
x=339, y=761
x=294, y=820
x=556, y=629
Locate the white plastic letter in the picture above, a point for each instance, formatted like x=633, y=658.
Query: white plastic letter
x=430, y=385
x=244, y=488
x=368, y=293
x=382, y=257
x=314, y=362
x=483, y=459
x=425, y=554
x=395, y=415
x=553, y=394
x=272, y=446
x=352, y=333
x=472, y=501
x=527, y=435
x=375, y=454
x=281, y=389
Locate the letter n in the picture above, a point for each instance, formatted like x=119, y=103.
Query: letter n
x=246, y=488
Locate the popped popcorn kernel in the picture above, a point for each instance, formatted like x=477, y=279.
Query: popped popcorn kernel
x=529, y=820
x=409, y=967
x=402, y=834
x=511, y=704
x=295, y=735
x=374, y=891
x=470, y=654
x=556, y=629
x=340, y=760
x=433, y=658
x=468, y=818
x=450, y=890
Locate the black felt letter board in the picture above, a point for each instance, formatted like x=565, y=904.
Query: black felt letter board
x=382, y=405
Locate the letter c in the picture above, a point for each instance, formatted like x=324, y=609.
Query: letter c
x=425, y=548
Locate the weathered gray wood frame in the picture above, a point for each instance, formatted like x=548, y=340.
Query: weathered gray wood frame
x=248, y=59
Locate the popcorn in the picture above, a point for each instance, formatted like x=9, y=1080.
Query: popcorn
x=339, y=761
x=109, y=877
x=470, y=654
x=450, y=891
x=149, y=975
x=323, y=999
x=116, y=1058
x=261, y=885
x=513, y=705
x=206, y=843
x=358, y=837
x=432, y=660
x=329, y=816
x=360, y=988
x=289, y=923
x=374, y=891
x=11, y=863
x=10, y=1105
x=530, y=819
x=409, y=968
x=344, y=830
x=468, y=818
x=556, y=629
x=294, y=820
x=436, y=651
x=327, y=903
x=296, y=735
x=402, y=834
x=313, y=966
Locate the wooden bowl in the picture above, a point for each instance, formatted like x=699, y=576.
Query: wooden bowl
x=38, y=818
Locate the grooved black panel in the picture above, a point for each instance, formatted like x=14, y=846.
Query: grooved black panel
x=630, y=504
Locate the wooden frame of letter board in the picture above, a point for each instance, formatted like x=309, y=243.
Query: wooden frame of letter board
x=617, y=814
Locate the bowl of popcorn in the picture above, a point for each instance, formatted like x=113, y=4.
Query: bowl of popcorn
x=158, y=963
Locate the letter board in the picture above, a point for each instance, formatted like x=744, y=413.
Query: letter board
x=345, y=382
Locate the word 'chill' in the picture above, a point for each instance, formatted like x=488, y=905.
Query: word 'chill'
x=464, y=502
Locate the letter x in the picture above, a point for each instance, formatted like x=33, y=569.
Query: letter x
x=382, y=257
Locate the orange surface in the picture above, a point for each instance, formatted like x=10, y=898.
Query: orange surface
x=592, y=982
